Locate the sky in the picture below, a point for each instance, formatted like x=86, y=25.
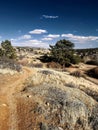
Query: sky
x=40, y=23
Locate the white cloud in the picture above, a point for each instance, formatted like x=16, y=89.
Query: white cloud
x=50, y=17
x=81, y=39
x=35, y=42
x=47, y=39
x=38, y=31
x=24, y=37
x=53, y=36
x=50, y=37
x=32, y=43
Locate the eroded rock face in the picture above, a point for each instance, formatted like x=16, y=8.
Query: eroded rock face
x=47, y=107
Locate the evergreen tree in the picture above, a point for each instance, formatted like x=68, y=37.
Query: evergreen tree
x=63, y=53
x=7, y=50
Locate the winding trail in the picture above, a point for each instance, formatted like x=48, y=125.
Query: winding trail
x=9, y=85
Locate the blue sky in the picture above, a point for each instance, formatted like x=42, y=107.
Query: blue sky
x=43, y=22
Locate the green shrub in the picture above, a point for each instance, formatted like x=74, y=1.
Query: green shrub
x=75, y=59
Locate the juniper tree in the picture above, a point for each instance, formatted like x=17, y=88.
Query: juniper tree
x=7, y=50
x=63, y=52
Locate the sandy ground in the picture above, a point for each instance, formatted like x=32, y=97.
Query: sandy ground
x=10, y=84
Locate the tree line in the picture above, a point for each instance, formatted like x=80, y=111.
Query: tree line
x=62, y=52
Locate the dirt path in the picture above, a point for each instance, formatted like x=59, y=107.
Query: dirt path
x=9, y=85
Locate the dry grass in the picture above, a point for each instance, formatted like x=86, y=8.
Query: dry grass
x=53, y=65
x=77, y=74
x=61, y=79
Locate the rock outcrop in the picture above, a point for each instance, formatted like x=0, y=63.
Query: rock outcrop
x=48, y=100
x=51, y=106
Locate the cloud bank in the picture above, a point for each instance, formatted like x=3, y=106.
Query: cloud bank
x=32, y=43
x=50, y=37
x=79, y=39
x=45, y=39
